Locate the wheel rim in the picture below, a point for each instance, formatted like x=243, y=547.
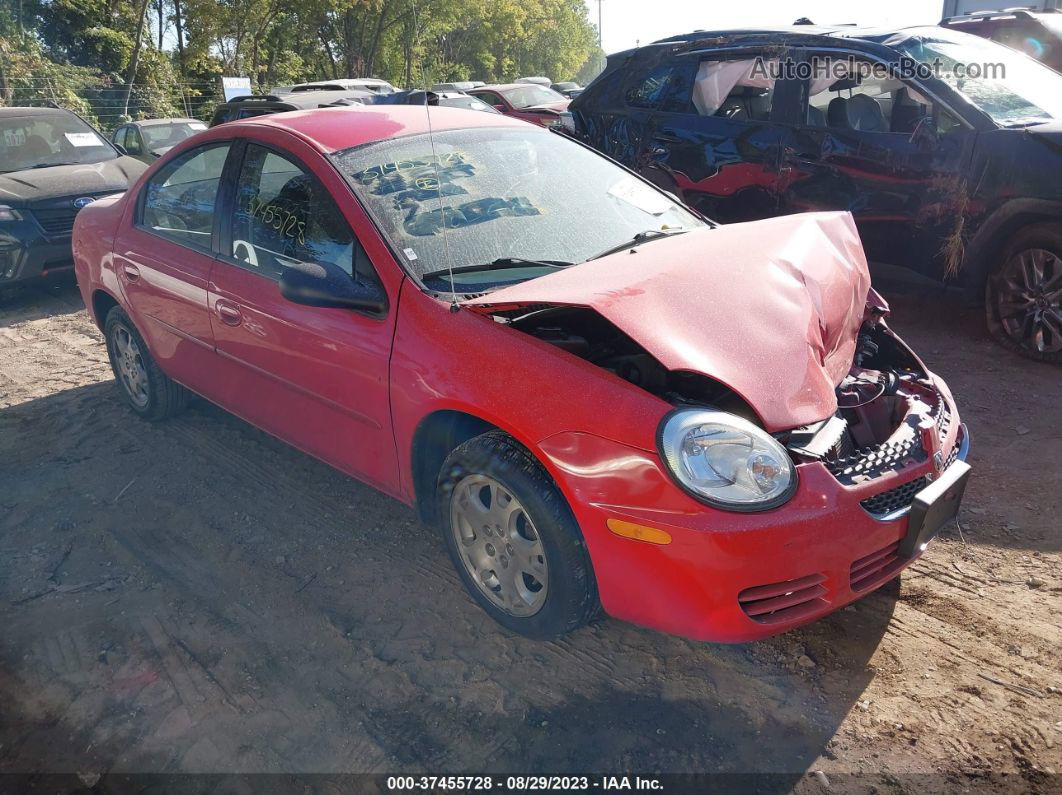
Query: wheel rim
x=129, y=364
x=499, y=545
x=1029, y=300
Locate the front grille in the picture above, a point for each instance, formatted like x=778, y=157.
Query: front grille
x=896, y=499
x=872, y=462
x=881, y=505
x=942, y=415
x=876, y=568
x=784, y=601
x=56, y=220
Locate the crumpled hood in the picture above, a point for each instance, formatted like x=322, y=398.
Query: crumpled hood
x=770, y=308
x=37, y=184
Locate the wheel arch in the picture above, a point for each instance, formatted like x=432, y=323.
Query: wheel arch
x=436, y=436
x=102, y=303
x=988, y=243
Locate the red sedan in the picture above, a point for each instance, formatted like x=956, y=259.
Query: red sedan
x=528, y=101
x=601, y=399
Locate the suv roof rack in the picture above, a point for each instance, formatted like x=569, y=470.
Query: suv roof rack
x=976, y=16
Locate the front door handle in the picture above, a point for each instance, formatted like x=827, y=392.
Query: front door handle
x=132, y=272
x=228, y=312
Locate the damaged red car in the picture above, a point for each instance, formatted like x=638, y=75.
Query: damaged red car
x=601, y=399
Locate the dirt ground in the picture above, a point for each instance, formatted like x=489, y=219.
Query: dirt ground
x=197, y=597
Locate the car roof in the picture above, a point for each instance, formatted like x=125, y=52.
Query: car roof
x=792, y=33
x=503, y=87
x=33, y=111
x=154, y=122
x=1006, y=15
x=301, y=100
x=335, y=129
x=341, y=83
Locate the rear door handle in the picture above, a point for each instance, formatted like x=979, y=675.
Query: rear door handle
x=228, y=312
x=132, y=272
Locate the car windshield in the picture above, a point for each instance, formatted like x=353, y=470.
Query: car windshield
x=161, y=135
x=530, y=95
x=1012, y=88
x=469, y=103
x=506, y=194
x=41, y=140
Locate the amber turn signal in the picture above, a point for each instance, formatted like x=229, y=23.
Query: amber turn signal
x=638, y=532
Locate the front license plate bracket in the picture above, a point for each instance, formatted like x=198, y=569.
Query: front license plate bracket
x=933, y=507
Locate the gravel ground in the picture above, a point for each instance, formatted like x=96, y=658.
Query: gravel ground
x=197, y=597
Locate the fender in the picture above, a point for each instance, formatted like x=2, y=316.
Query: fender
x=994, y=231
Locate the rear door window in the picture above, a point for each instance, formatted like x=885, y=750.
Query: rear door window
x=178, y=202
x=648, y=91
x=742, y=90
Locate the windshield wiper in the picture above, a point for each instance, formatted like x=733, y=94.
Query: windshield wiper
x=499, y=264
x=52, y=165
x=641, y=237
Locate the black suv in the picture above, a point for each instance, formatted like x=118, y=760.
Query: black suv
x=263, y=104
x=52, y=163
x=1035, y=33
x=950, y=176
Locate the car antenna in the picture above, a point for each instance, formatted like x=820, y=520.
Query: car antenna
x=454, y=306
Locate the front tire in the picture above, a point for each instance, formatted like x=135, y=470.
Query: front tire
x=147, y=390
x=513, y=539
x=1023, y=295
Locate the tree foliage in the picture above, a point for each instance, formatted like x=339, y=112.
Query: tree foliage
x=166, y=53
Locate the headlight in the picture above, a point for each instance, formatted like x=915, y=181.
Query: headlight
x=726, y=461
x=9, y=213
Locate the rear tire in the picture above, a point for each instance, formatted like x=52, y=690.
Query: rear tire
x=147, y=390
x=1023, y=294
x=513, y=539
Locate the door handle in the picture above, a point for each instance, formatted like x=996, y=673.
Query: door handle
x=132, y=272
x=228, y=313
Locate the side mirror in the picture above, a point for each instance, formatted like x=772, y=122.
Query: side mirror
x=330, y=287
x=500, y=108
x=120, y=148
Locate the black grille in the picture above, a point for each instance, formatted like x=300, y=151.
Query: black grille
x=894, y=499
x=56, y=220
x=902, y=496
x=870, y=463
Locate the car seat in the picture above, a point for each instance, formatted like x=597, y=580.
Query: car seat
x=35, y=147
x=865, y=114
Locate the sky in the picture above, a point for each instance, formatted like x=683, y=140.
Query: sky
x=626, y=22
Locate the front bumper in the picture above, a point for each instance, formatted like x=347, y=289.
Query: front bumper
x=728, y=577
x=26, y=252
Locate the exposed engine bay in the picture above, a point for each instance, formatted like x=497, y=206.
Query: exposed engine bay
x=586, y=334
x=884, y=404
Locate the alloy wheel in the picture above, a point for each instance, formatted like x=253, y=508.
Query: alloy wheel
x=130, y=366
x=499, y=546
x=1028, y=300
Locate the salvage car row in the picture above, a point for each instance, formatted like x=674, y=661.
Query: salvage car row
x=406, y=293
